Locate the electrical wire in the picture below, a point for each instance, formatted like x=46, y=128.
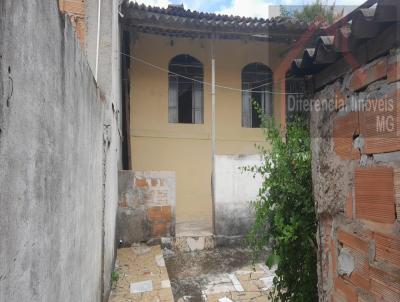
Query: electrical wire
x=209, y=84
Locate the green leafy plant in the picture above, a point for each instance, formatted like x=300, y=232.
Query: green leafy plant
x=285, y=214
x=114, y=278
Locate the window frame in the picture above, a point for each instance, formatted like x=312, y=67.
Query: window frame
x=266, y=100
x=175, y=68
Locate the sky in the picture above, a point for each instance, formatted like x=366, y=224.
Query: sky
x=248, y=8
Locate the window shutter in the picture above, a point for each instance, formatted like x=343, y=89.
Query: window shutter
x=197, y=103
x=173, y=99
x=246, y=106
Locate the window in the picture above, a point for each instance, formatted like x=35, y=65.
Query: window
x=295, y=90
x=185, y=102
x=257, y=87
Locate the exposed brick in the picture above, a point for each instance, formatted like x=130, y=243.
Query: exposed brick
x=360, y=281
x=374, y=194
x=338, y=297
x=352, y=241
x=379, y=124
x=166, y=213
x=73, y=7
x=360, y=276
x=389, y=280
x=159, y=229
x=159, y=213
x=80, y=28
x=154, y=213
x=393, y=72
x=141, y=183
x=346, y=289
x=387, y=248
x=340, y=99
x=344, y=129
x=383, y=292
x=123, y=202
x=368, y=74
x=397, y=191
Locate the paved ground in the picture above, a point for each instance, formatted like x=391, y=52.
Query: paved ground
x=218, y=275
x=142, y=276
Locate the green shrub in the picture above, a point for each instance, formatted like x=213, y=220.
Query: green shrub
x=285, y=214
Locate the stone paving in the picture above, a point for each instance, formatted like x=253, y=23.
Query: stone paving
x=218, y=275
x=143, y=276
x=246, y=284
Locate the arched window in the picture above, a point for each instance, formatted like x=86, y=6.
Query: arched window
x=257, y=87
x=185, y=102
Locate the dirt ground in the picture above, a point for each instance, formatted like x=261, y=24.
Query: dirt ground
x=213, y=275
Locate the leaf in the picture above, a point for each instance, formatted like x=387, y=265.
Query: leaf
x=272, y=260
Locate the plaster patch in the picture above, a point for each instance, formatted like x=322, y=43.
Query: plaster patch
x=345, y=262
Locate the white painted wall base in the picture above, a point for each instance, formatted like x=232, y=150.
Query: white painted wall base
x=234, y=191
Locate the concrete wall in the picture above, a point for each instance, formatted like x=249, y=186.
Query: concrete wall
x=356, y=164
x=109, y=82
x=57, y=187
x=234, y=191
x=146, y=206
x=186, y=148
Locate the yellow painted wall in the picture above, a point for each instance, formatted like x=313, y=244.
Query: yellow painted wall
x=186, y=148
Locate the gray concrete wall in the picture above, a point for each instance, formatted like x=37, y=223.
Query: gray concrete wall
x=51, y=160
x=108, y=80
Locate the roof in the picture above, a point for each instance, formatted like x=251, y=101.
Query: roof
x=178, y=21
x=365, y=33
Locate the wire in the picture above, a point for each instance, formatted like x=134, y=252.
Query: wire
x=209, y=84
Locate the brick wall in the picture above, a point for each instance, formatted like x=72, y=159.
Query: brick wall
x=75, y=9
x=356, y=175
x=146, y=206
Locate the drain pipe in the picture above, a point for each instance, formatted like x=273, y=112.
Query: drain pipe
x=98, y=40
x=213, y=135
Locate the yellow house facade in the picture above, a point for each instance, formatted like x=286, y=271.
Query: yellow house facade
x=206, y=147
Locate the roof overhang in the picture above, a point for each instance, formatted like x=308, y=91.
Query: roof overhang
x=175, y=21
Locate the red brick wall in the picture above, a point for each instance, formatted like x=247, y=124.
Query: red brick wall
x=364, y=221
x=75, y=9
x=146, y=206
